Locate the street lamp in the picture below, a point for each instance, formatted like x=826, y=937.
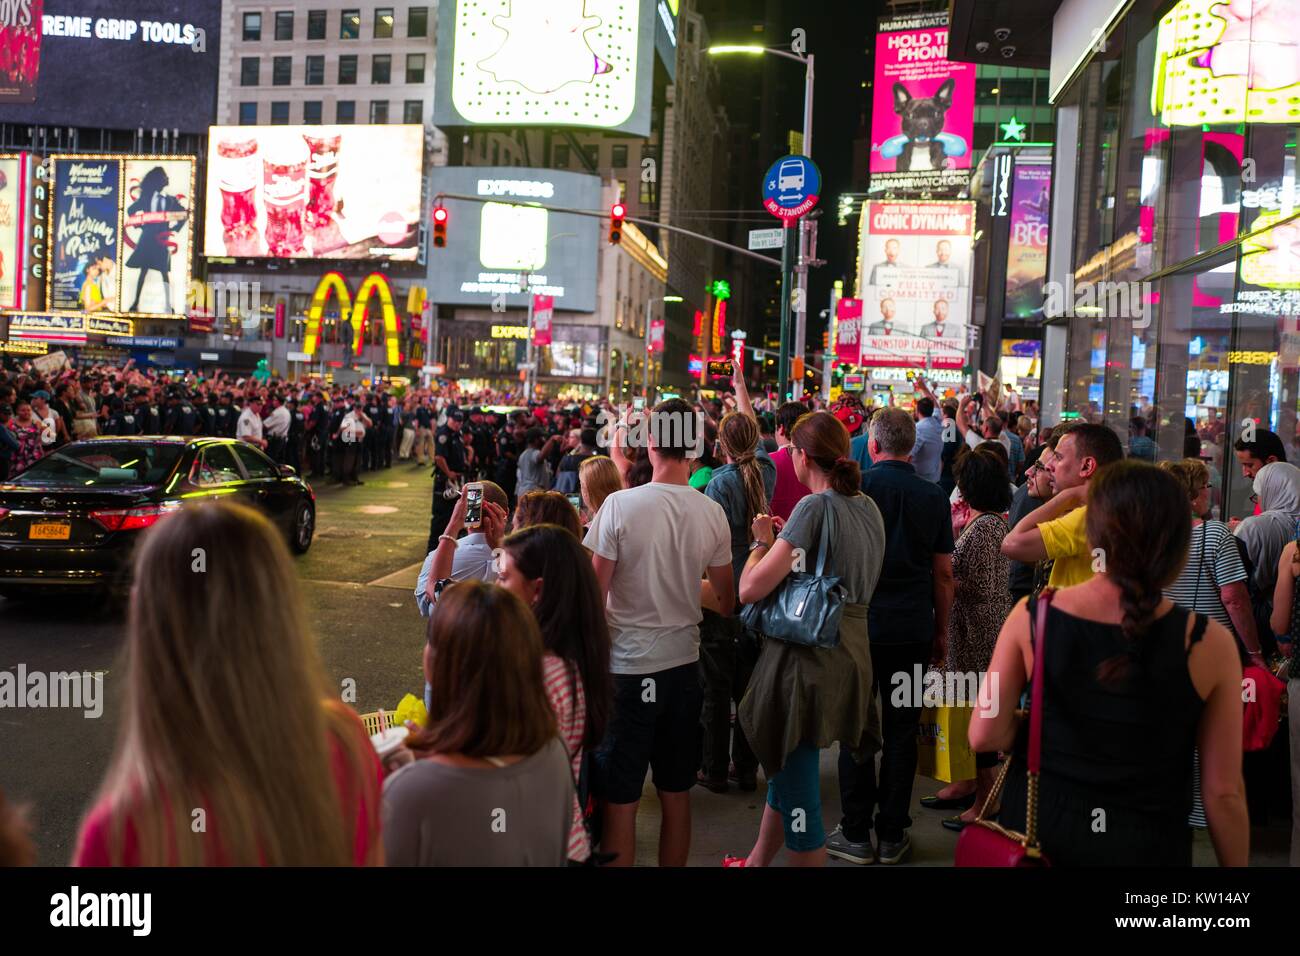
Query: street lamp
x=645, y=385
x=801, y=269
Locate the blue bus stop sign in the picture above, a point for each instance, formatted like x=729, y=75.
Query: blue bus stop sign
x=792, y=187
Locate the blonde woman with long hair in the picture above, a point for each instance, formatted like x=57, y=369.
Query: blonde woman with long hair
x=743, y=486
x=598, y=478
x=229, y=723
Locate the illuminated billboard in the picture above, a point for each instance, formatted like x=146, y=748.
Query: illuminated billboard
x=1220, y=63
x=122, y=235
x=516, y=230
x=314, y=192
x=547, y=63
x=923, y=111
x=914, y=283
x=108, y=64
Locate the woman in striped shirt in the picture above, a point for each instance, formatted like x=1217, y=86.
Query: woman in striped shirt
x=548, y=568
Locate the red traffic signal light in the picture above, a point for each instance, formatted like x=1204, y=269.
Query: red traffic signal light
x=616, y=216
x=439, y=227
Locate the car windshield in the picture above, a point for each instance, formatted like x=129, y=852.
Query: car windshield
x=103, y=464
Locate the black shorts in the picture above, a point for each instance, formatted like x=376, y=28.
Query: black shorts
x=662, y=734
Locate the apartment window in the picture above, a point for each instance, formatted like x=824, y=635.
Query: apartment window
x=311, y=112
x=280, y=113
x=417, y=21
x=592, y=152
x=281, y=70
x=496, y=154
x=250, y=71
x=350, y=25
x=381, y=70
x=383, y=23
x=316, y=24
x=379, y=111
x=315, y=75
x=562, y=156
x=415, y=68
x=284, y=25
x=347, y=70
x=413, y=111
x=247, y=114
x=618, y=157
x=346, y=113
x=252, y=27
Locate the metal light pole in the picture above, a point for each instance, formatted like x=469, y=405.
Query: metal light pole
x=793, y=261
x=645, y=385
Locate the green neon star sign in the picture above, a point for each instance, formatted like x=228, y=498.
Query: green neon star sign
x=1013, y=129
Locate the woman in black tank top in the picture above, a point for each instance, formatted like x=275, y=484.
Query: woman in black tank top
x=1132, y=684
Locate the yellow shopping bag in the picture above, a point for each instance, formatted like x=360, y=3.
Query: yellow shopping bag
x=943, y=745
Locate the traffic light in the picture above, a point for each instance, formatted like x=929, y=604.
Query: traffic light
x=616, y=215
x=439, y=227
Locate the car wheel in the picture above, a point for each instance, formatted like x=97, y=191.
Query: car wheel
x=304, y=526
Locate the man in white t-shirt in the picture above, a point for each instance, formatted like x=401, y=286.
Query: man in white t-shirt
x=651, y=548
x=249, y=427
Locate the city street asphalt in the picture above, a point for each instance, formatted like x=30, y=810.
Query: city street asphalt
x=357, y=580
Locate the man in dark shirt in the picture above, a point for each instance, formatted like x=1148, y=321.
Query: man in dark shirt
x=121, y=419
x=449, y=464
x=182, y=417
x=147, y=416
x=1034, y=493
x=337, y=446
x=908, y=623
x=423, y=432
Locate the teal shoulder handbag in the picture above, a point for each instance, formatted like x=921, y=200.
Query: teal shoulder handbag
x=806, y=608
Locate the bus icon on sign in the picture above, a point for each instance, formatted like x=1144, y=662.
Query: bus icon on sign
x=791, y=176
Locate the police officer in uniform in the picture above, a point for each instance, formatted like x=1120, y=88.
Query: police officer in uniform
x=293, y=447
x=483, y=441
x=335, y=436
x=182, y=416
x=373, y=460
x=318, y=434
x=227, y=417
x=206, y=414
x=147, y=417
x=121, y=420
x=449, y=464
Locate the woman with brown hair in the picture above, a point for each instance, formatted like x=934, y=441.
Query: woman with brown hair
x=598, y=478
x=1132, y=685
x=493, y=785
x=229, y=726
x=802, y=698
x=546, y=566
x=547, y=507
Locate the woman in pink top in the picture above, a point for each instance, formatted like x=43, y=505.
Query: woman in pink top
x=229, y=726
x=548, y=568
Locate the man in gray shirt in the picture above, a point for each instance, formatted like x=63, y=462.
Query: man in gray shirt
x=534, y=469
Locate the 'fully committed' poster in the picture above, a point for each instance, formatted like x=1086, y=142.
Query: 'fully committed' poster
x=85, y=250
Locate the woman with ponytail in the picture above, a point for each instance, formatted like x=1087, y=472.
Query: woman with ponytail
x=1133, y=684
x=801, y=699
x=743, y=486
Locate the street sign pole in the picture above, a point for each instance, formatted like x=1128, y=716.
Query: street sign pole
x=645, y=384
x=787, y=290
x=529, y=382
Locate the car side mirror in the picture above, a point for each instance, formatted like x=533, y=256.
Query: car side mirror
x=288, y=471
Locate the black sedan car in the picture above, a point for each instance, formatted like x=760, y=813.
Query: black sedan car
x=71, y=520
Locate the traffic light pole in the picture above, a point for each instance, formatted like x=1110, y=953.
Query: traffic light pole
x=530, y=362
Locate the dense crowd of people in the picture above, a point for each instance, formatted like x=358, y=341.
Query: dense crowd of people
x=605, y=610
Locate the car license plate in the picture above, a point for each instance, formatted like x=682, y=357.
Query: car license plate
x=50, y=531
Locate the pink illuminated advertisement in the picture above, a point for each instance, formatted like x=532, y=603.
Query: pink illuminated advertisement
x=923, y=115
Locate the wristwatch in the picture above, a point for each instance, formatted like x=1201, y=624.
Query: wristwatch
x=754, y=546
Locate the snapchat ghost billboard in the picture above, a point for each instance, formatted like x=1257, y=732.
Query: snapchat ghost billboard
x=1219, y=63
x=547, y=63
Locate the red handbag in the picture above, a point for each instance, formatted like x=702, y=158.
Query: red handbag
x=984, y=842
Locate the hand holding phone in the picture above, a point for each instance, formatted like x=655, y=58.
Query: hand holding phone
x=474, y=504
